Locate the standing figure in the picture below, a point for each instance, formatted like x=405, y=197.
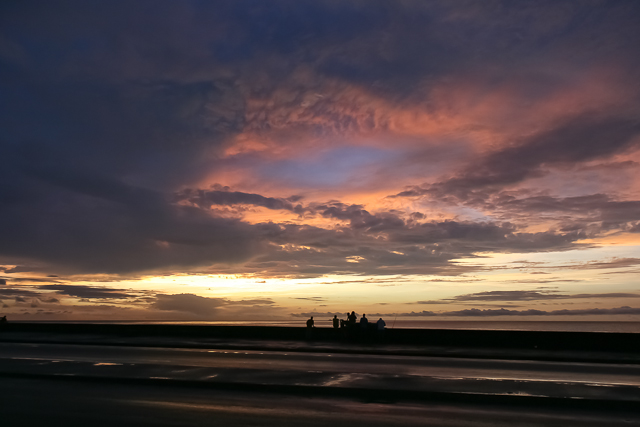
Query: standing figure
x=380, y=329
x=352, y=318
x=309, y=328
x=364, y=327
x=364, y=322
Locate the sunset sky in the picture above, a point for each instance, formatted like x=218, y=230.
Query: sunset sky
x=238, y=160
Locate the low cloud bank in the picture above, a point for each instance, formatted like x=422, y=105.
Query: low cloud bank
x=476, y=312
x=205, y=307
x=526, y=296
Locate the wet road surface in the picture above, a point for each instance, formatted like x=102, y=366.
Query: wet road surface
x=50, y=402
x=155, y=386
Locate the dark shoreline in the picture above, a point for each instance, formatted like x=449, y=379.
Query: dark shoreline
x=610, y=342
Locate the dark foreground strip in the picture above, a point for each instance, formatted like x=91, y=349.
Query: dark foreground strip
x=613, y=342
x=364, y=394
x=634, y=359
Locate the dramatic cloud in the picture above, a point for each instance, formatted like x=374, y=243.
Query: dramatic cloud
x=306, y=139
x=370, y=245
x=87, y=292
x=593, y=214
x=223, y=196
x=189, y=303
x=30, y=279
x=13, y=292
x=204, y=307
x=578, y=140
x=125, y=136
x=137, y=229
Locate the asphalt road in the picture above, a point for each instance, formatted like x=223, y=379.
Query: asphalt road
x=59, y=403
x=427, y=367
x=117, y=386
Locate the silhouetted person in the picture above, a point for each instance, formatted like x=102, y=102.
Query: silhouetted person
x=352, y=318
x=364, y=322
x=350, y=330
x=380, y=328
x=336, y=321
x=309, y=328
x=3, y=319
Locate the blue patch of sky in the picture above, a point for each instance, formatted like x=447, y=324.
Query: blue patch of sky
x=332, y=168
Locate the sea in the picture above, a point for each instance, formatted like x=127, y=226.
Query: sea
x=569, y=326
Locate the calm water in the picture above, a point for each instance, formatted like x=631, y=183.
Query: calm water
x=575, y=326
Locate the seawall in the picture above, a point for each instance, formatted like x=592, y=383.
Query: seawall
x=541, y=340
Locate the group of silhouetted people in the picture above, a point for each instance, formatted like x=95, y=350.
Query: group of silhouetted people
x=349, y=326
x=352, y=320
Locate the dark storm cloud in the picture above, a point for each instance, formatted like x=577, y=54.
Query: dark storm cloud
x=358, y=217
x=593, y=207
x=13, y=292
x=364, y=228
x=385, y=53
x=93, y=148
x=402, y=248
x=587, y=216
x=30, y=279
x=21, y=269
x=482, y=236
x=579, y=139
x=109, y=109
x=433, y=232
x=592, y=214
x=108, y=115
x=109, y=227
x=208, y=198
x=86, y=292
